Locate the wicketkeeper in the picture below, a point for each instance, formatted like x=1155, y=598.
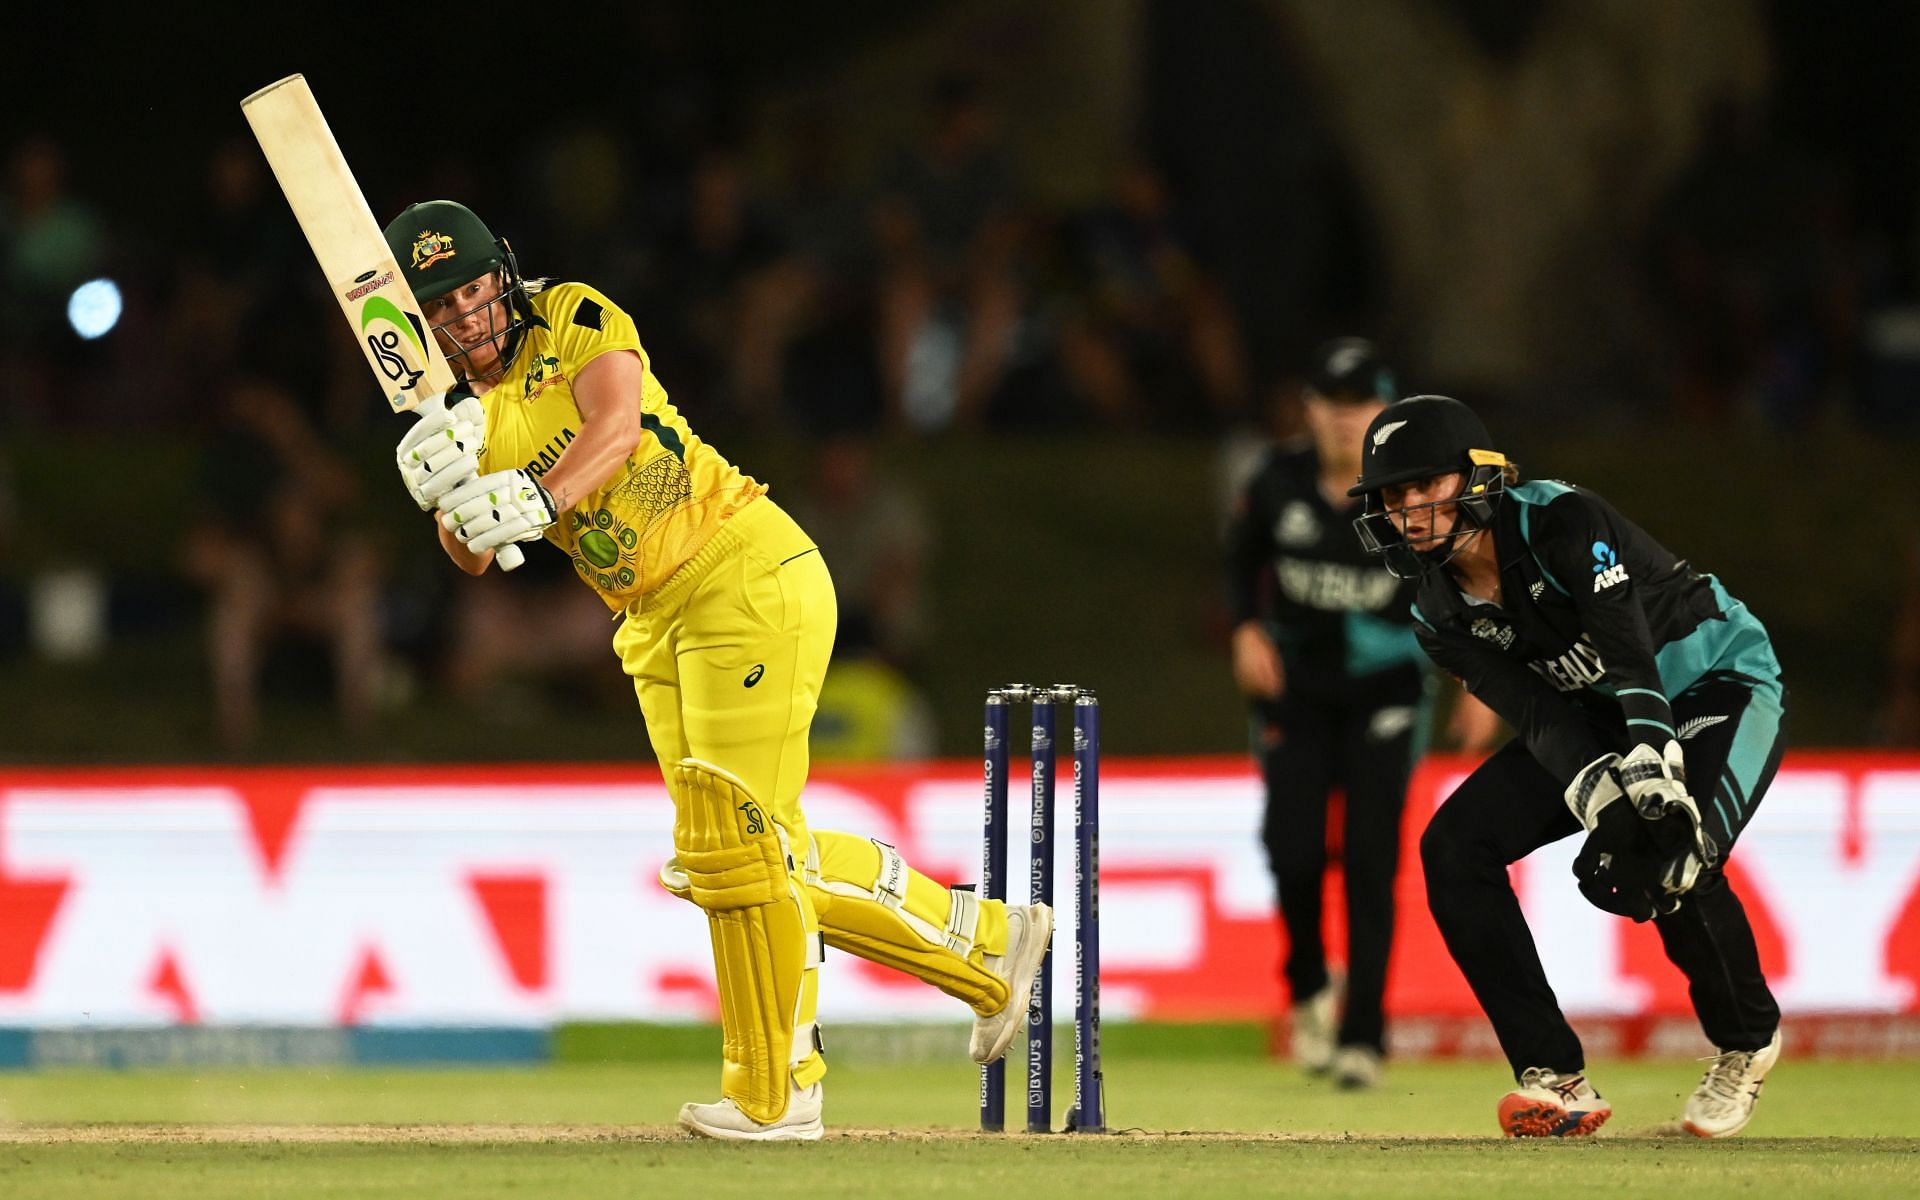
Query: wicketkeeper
x=726, y=622
x=1648, y=707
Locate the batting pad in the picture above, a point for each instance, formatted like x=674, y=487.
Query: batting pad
x=872, y=904
x=737, y=867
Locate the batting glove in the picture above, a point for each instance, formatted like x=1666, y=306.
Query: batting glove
x=493, y=510
x=442, y=450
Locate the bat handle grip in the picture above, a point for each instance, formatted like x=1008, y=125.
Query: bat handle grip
x=508, y=557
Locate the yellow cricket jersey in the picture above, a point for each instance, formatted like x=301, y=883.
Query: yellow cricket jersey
x=629, y=537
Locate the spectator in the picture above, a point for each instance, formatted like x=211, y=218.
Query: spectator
x=726, y=296
x=275, y=546
x=487, y=667
x=1752, y=272
x=1151, y=334
x=274, y=569
x=49, y=244
x=829, y=377
x=949, y=231
x=235, y=246
x=876, y=534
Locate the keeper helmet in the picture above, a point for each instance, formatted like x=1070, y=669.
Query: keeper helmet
x=1419, y=438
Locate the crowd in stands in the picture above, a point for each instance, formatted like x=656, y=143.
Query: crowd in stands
x=785, y=296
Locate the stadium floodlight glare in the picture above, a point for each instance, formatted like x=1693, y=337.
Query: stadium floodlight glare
x=94, y=308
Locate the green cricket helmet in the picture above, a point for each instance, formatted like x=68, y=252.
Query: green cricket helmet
x=442, y=245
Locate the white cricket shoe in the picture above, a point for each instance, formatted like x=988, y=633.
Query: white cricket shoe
x=725, y=1121
x=1315, y=1024
x=1029, y=933
x=1549, y=1104
x=1723, y=1103
x=1356, y=1068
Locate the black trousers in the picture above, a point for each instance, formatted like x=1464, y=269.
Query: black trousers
x=1307, y=746
x=1732, y=733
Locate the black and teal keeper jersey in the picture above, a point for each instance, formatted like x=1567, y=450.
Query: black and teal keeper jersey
x=1597, y=628
x=1294, y=562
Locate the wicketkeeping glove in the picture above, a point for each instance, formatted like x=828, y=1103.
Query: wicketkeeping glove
x=1656, y=782
x=1596, y=786
x=493, y=510
x=1616, y=868
x=442, y=450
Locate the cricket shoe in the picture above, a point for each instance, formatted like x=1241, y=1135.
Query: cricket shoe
x=1723, y=1103
x=725, y=1121
x=1315, y=1022
x=1029, y=934
x=1356, y=1068
x=1549, y=1104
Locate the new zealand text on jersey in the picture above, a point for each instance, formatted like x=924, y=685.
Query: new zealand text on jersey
x=1579, y=667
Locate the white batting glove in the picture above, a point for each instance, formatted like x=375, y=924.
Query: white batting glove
x=493, y=510
x=442, y=450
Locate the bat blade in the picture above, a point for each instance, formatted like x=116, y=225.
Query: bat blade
x=352, y=251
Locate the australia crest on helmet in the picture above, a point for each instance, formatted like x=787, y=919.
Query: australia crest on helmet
x=430, y=248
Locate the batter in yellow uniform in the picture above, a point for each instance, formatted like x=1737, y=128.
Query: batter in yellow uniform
x=727, y=622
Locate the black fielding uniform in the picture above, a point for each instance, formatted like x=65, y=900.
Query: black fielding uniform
x=1598, y=642
x=1348, y=717
x=1602, y=640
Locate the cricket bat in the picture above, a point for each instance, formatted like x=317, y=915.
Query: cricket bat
x=361, y=272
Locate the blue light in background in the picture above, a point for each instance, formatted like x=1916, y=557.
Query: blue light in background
x=94, y=308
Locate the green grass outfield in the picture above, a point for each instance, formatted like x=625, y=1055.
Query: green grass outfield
x=1198, y=1116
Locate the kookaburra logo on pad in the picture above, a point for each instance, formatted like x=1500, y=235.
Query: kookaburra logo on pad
x=1386, y=431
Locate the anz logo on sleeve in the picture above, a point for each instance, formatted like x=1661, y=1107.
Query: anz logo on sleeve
x=1608, y=570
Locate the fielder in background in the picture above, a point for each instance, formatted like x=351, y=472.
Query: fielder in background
x=1648, y=708
x=1323, y=646
x=726, y=620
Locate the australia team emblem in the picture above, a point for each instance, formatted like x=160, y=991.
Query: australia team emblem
x=430, y=248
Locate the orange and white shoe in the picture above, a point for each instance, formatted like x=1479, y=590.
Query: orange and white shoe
x=1549, y=1104
x=1723, y=1103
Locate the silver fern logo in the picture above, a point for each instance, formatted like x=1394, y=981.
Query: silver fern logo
x=1386, y=431
x=1694, y=725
